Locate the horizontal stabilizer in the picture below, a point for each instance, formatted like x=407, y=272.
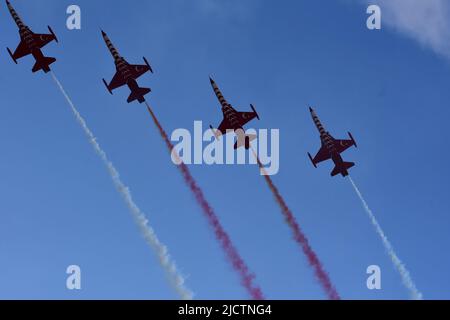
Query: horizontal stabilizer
x=43, y=64
x=342, y=169
x=138, y=94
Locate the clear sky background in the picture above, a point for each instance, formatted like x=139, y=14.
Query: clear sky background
x=58, y=207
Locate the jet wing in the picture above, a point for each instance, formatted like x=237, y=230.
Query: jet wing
x=22, y=50
x=138, y=70
x=116, y=82
x=322, y=155
x=245, y=117
x=42, y=40
x=342, y=145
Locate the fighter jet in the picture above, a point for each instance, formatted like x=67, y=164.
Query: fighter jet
x=233, y=120
x=126, y=74
x=31, y=43
x=332, y=149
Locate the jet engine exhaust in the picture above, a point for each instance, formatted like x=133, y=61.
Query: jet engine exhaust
x=176, y=280
x=415, y=294
x=247, y=278
x=301, y=238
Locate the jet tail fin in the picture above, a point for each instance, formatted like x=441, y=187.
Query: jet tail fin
x=43, y=64
x=342, y=169
x=138, y=94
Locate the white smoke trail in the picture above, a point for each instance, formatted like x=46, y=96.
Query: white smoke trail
x=404, y=273
x=173, y=275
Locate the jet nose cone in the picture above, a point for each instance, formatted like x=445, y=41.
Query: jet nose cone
x=311, y=109
x=211, y=80
x=103, y=33
x=7, y=2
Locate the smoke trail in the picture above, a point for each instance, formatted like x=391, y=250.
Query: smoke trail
x=175, y=278
x=238, y=264
x=401, y=268
x=300, y=237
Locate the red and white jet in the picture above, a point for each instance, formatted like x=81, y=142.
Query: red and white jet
x=31, y=43
x=233, y=120
x=332, y=149
x=126, y=74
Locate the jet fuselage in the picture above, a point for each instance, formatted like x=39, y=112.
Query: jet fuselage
x=229, y=113
x=122, y=65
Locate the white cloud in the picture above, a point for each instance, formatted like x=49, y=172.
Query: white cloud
x=426, y=21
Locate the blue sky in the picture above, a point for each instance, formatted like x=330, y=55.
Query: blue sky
x=59, y=206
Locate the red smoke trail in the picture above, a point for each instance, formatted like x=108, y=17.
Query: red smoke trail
x=300, y=238
x=236, y=260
